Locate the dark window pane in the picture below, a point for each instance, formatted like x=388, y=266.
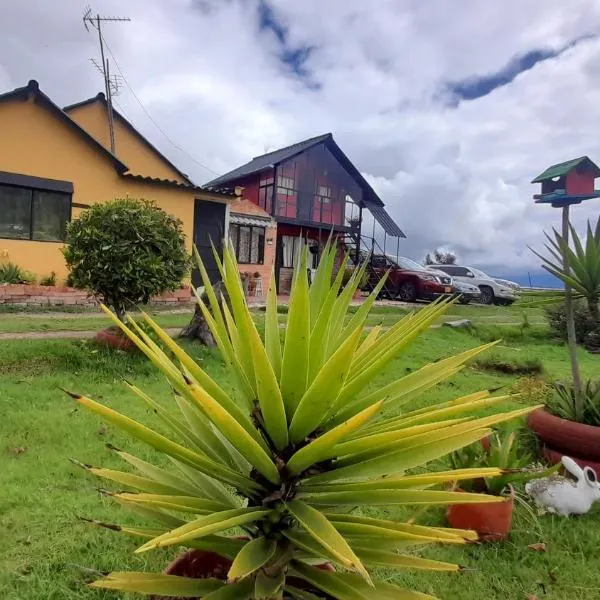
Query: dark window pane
x=258, y=243
x=269, y=199
x=244, y=248
x=51, y=213
x=261, y=244
x=15, y=213
x=262, y=193
x=233, y=236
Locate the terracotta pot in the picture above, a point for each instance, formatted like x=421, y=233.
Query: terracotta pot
x=565, y=436
x=554, y=456
x=492, y=522
x=115, y=339
x=202, y=564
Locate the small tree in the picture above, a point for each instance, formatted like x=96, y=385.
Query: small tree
x=126, y=251
x=441, y=257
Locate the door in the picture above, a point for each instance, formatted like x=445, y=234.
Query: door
x=209, y=228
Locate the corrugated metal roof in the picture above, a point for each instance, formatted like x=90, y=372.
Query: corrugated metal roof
x=260, y=163
x=560, y=169
x=383, y=218
x=256, y=220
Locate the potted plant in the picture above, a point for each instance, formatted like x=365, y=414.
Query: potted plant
x=501, y=451
x=124, y=252
x=569, y=424
x=266, y=478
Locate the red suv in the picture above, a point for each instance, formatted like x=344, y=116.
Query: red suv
x=408, y=280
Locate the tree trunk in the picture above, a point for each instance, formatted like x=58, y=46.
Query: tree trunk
x=571, y=339
x=198, y=328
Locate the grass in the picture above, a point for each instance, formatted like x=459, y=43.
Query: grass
x=10, y=323
x=48, y=553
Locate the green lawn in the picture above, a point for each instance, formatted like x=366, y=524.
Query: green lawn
x=47, y=553
x=91, y=320
x=10, y=323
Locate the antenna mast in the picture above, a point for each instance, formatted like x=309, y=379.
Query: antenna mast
x=110, y=87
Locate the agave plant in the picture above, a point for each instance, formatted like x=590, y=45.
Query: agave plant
x=583, y=271
x=297, y=456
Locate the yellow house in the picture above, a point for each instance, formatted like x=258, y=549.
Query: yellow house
x=54, y=163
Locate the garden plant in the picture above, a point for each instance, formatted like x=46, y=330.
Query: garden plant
x=275, y=480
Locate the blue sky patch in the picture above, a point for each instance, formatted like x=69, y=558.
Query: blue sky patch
x=292, y=57
x=477, y=87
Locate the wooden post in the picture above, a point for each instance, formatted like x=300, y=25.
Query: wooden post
x=570, y=317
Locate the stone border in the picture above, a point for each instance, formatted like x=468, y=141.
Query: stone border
x=46, y=295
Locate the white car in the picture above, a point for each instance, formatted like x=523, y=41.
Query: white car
x=492, y=292
x=468, y=292
x=508, y=283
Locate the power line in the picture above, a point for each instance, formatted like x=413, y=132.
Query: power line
x=109, y=85
x=175, y=145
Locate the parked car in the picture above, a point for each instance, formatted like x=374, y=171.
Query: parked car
x=468, y=292
x=506, y=282
x=408, y=280
x=492, y=292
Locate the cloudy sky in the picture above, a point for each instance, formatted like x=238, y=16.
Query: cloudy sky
x=448, y=108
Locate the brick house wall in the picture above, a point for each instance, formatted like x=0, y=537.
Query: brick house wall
x=247, y=208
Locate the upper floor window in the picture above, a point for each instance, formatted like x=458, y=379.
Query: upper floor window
x=32, y=214
x=265, y=194
x=285, y=182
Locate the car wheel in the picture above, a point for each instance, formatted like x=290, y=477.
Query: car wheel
x=407, y=292
x=487, y=295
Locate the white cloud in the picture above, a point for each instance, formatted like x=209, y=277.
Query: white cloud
x=450, y=174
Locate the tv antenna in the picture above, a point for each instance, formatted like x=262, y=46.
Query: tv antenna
x=111, y=85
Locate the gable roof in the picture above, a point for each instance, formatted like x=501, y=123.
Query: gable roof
x=272, y=159
x=33, y=89
x=370, y=200
x=268, y=160
x=101, y=98
x=560, y=169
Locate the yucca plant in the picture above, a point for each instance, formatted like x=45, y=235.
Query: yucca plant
x=583, y=272
x=309, y=438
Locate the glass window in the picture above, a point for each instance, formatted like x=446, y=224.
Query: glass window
x=265, y=194
x=286, y=182
x=27, y=214
x=15, y=213
x=51, y=213
x=248, y=243
x=407, y=263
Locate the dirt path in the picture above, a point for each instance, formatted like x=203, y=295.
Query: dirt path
x=59, y=335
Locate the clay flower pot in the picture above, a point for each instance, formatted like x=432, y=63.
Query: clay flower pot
x=203, y=564
x=113, y=338
x=554, y=457
x=492, y=522
x=563, y=437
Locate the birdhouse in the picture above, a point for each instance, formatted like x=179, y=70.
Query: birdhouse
x=569, y=182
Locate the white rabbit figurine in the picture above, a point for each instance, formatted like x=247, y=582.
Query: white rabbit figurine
x=563, y=496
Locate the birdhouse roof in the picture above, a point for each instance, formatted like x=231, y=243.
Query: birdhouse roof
x=563, y=168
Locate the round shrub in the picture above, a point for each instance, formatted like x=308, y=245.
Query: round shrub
x=584, y=324
x=125, y=252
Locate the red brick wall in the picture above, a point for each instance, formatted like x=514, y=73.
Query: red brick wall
x=246, y=207
x=46, y=295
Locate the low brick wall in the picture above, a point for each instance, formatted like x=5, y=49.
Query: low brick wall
x=46, y=295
